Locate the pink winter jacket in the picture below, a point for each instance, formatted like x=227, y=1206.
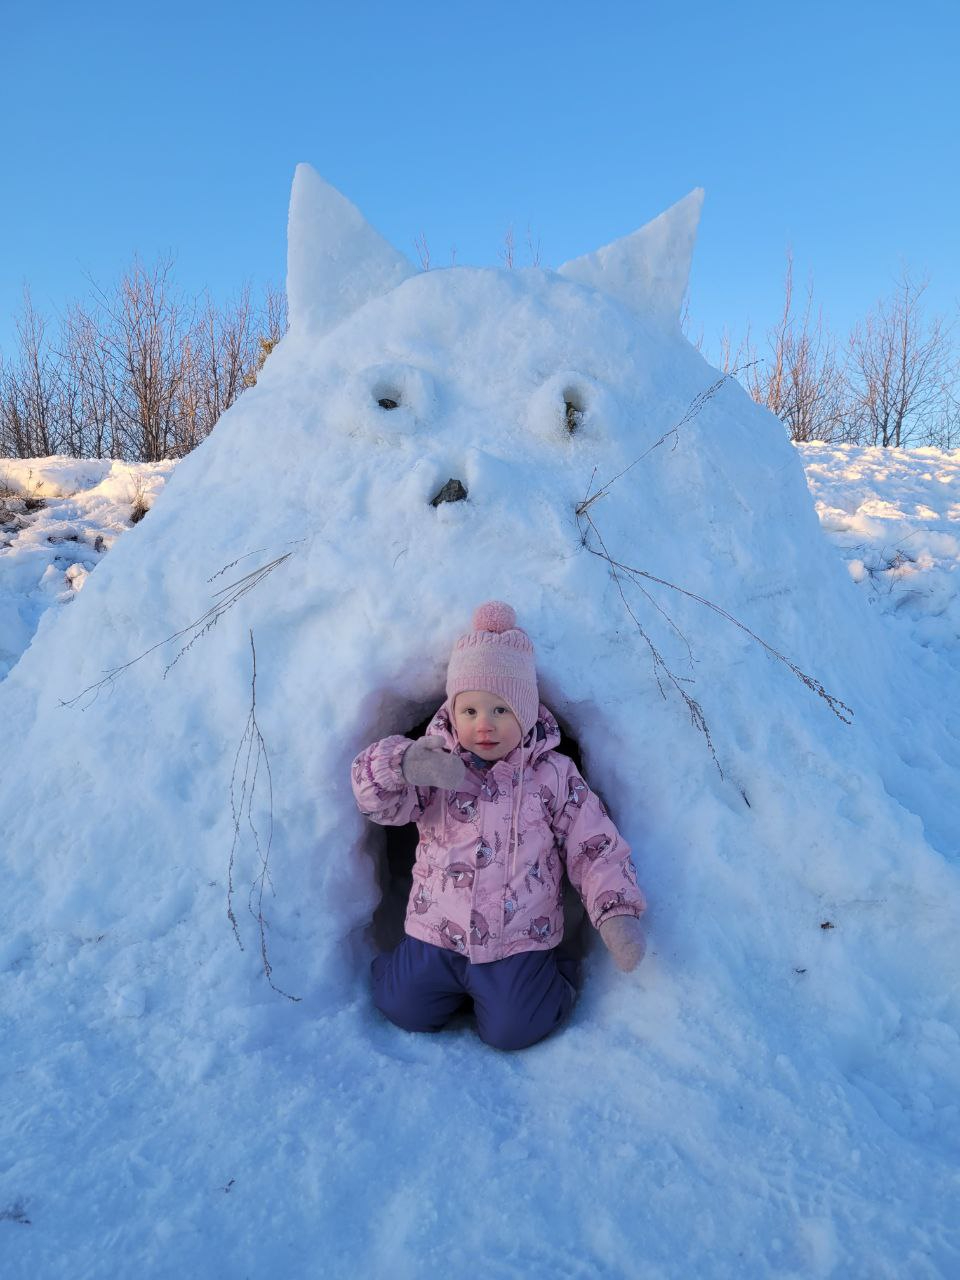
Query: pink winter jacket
x=478, y=891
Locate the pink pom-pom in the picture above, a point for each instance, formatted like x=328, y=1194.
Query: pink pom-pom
x=494, y=616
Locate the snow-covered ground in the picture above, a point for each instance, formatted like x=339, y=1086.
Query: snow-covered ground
x=772, y=1094
x=895, y=516
x=58, y=516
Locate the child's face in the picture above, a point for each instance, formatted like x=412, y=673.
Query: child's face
x=485, y=725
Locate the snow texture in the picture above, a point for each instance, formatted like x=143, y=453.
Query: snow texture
x=58, y=516
x=773, y=1092
x=895, y=515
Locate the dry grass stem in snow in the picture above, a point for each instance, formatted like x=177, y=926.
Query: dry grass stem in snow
x=638, y=577
x=229, y=596
x=695, y=406
x=252, y=752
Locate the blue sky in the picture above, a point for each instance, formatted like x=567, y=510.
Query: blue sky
x=832, y=128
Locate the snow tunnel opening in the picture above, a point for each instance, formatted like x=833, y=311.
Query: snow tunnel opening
x=394, y=851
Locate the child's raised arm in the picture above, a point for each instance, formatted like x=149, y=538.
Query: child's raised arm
x=381, y=791
x=394, y=779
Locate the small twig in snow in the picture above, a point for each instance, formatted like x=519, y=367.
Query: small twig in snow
x=697, y=717
x=836, y=705
x=694, y=407
x=242, y=809
x=231, y=595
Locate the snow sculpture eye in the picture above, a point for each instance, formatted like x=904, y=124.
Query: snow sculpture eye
x=572, y=409
x=571, y=404
x=386, y=400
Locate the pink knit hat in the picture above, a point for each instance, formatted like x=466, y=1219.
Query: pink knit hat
x=496, y=657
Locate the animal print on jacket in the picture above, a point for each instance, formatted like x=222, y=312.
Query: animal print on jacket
x=477, y=862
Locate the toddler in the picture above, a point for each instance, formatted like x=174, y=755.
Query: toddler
x=500, y=815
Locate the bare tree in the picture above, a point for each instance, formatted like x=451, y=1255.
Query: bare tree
x=508, y=253
x=144, y=335
x=899, y=366
x=217, y=357
x=534, y=248
x=944, y=431
x=814, y=383
x=70, y=436
x=86, y=354
x=801, y=381
x=29, y=419
x=768, y=383
x=686, y=322
x=423, y=250
x=272, y=323
x=744, y=357
x=137, y=372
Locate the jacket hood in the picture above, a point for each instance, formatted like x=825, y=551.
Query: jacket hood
x=543, y=737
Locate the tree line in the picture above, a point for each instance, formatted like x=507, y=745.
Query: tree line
x=894, y=381
x=137, y=372
x=142, y=373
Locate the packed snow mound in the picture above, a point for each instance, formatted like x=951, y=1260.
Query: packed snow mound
x=58, y=516
x=787, y=1055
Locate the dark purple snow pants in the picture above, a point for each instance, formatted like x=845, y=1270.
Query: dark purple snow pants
x=517, y=1001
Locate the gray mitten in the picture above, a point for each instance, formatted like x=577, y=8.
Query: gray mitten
x=624, y=939
x=427, y=763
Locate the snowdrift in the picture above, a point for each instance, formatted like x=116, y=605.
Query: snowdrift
x=58, y=516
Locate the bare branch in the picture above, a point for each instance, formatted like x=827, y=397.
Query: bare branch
x=252, y=749
x=695, y=407
x=507, y=253
x=230, y=596
x=423, y=250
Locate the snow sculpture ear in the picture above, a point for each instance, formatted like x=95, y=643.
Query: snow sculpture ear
x=335, y=260
x=648, y=270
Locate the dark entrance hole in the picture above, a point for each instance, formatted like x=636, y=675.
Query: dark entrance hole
x=399, y=847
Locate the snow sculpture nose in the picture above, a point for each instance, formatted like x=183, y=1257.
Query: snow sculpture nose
x=452, y=491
